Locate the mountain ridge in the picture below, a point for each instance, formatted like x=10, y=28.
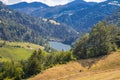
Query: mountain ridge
x=80, y=15
x=25, y=4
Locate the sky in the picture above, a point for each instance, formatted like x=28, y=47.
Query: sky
x=48, y=2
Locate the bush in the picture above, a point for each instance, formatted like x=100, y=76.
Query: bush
x=11, y=71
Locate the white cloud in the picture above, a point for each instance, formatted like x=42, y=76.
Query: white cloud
x=95, y=0
x=50, y=2
x=4, y=1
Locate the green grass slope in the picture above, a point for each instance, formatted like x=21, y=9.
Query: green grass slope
x=16, y=50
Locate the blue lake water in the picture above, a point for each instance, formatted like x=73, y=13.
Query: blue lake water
x=59, y=46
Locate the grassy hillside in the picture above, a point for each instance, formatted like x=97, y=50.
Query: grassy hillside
x=102, y=68
x=16, y=50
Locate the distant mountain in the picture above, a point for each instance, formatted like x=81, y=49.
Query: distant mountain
x=83, y=19
x=15, y=26
x=78, y=14
x=59, y=11
x=48, y=11
x=32, y=5
x=28, y=7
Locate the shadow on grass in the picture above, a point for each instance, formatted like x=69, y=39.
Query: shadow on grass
x=88, y=63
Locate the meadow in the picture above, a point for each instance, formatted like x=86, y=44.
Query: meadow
x=16, y=50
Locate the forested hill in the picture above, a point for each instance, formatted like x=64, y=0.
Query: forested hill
x=115, y=18
x=15, y=26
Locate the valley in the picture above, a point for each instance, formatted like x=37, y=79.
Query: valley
x=79, y=40
x=16, y=26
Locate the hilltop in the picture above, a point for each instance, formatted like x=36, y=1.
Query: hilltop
x=95, y=68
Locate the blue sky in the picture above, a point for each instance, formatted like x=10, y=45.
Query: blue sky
x=48, y=2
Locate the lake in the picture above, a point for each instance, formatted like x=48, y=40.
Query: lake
x=59, y=46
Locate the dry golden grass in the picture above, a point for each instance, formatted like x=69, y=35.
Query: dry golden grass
x=59, y=71
x=107, y=62
x=110, y=74
x=102, y=68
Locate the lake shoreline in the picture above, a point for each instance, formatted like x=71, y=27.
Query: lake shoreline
x=59, y=45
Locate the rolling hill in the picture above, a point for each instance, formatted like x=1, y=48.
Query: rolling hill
x=102, y=68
